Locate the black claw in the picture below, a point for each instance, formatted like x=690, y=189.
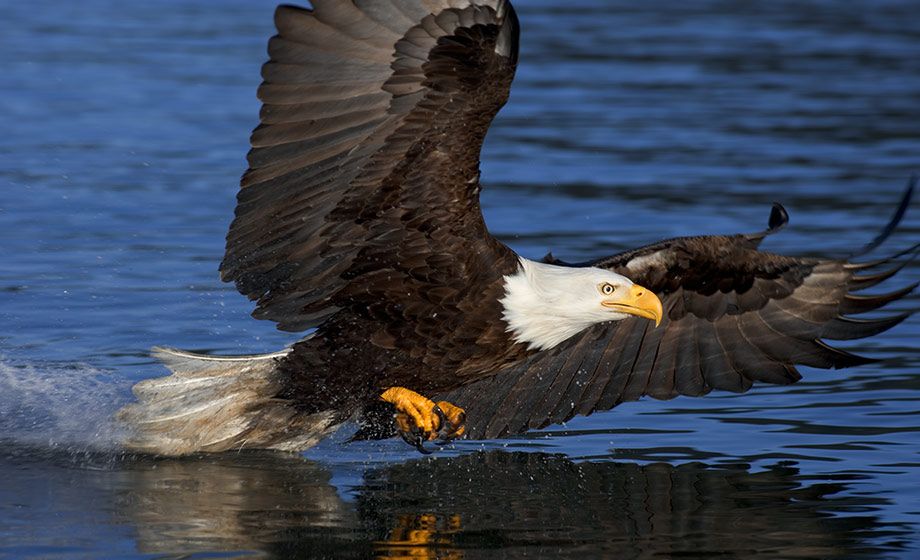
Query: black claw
x=408, y=437
x=417, y=438
x=443, y=422
x=445, y=430
x=448, y=429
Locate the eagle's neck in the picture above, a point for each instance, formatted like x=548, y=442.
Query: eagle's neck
x=536, y=308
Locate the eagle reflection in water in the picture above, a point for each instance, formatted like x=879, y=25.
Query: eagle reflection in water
x=287, y=507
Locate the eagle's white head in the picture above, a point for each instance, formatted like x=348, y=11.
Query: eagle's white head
x=546, y=304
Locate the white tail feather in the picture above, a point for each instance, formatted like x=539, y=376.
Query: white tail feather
x=218, y=403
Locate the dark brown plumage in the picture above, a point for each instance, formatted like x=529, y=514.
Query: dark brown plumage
x=359, y=215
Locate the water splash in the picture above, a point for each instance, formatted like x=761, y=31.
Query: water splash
x=60, y=406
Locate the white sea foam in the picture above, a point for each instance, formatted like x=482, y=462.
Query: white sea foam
x=59, y=405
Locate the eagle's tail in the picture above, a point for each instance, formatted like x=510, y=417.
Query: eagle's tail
x=217, y=403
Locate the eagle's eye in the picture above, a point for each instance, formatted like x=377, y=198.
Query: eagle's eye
x=607, y=288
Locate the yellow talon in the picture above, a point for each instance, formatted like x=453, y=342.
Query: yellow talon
x=416, y=413
x=412, y=405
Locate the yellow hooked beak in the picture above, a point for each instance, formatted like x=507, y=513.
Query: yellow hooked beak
x=639, y=301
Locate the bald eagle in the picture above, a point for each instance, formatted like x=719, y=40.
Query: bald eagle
x=359, y=222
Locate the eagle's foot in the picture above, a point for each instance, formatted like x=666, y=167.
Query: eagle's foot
x=419, y=419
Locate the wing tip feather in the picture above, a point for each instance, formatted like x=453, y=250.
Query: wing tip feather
x=847, y=328
x=841, y=359
x=895, y=220
x=854, y=304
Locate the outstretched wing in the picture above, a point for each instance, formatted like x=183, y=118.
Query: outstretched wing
x=367, y=155
x=733, y=316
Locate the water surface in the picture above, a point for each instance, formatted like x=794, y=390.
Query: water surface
x=126, y=127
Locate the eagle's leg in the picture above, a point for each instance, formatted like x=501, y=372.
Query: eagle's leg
x=419, y=419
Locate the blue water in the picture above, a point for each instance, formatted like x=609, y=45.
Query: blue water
x=125, y=130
